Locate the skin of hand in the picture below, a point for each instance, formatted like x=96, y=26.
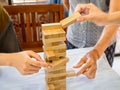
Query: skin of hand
x=25, y=63
x=88, y=64
x=90, y=12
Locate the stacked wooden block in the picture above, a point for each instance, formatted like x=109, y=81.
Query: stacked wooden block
x=54, y=47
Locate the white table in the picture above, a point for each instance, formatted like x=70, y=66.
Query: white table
x=106, y=78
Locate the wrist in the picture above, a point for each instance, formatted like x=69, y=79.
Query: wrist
x=5, y=59
x=13, y=59
x=108, y=19
x=94, y=53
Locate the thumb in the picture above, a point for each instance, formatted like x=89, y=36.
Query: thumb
x=84, y=18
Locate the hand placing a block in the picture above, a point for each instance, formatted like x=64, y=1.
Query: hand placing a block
x=92, y=13
x=24, y=63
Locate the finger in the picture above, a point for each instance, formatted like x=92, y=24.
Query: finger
x=36, y=59
x=82, y=8
x=92, y=69
x=29, y=72
x=78, y=8
x=34, y=55
x=81, y=19
x=84, y=69
x=81, y=62
x=93, y=74
x=44, y=64
x=88, y=17
x=90, y=76
x=39, y=64
x=90, y=73
x=29, y=67
x=32, y=70
x=34, y=63
x=85, y=73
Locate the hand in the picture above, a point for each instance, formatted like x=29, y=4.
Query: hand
x=25, y=64
x=91, y=13
x=88, y=64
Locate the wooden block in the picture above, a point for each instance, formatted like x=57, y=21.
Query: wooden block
x=50, y=87
x=71, y=73
x=49, y=61
x=60, y=45
x=55, y=79
x=62, y=73
x=51, y=26
x=61, y=81
x=59, y=50
x=60, y=84
x=55, y=72
x=50, y=40
x=54, y=55
x=59, y=54
x=53, y=43
x=45, y=57
x=54, y=33
x=57, y=85
x=69, y=20
x=60, y=87
x=49, y=55
x=60, y=62
x=56, y=68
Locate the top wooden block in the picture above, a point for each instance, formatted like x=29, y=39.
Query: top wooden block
x=51, y=26
x=69, y=20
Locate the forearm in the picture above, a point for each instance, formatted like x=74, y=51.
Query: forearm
x=5, y=59
x=114, y=18
x=109, y=31
x=115, y=11
x=106, y=38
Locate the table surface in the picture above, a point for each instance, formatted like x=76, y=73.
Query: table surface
x=106, y=78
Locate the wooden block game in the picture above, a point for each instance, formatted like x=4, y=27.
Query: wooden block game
x=53, y=37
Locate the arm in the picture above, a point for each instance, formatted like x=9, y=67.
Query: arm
x=66, y=4
x=90, y=59
x=109, y=31
x=23, y=61
x=114, y=18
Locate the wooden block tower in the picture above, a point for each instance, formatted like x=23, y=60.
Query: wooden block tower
x=53, y=37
